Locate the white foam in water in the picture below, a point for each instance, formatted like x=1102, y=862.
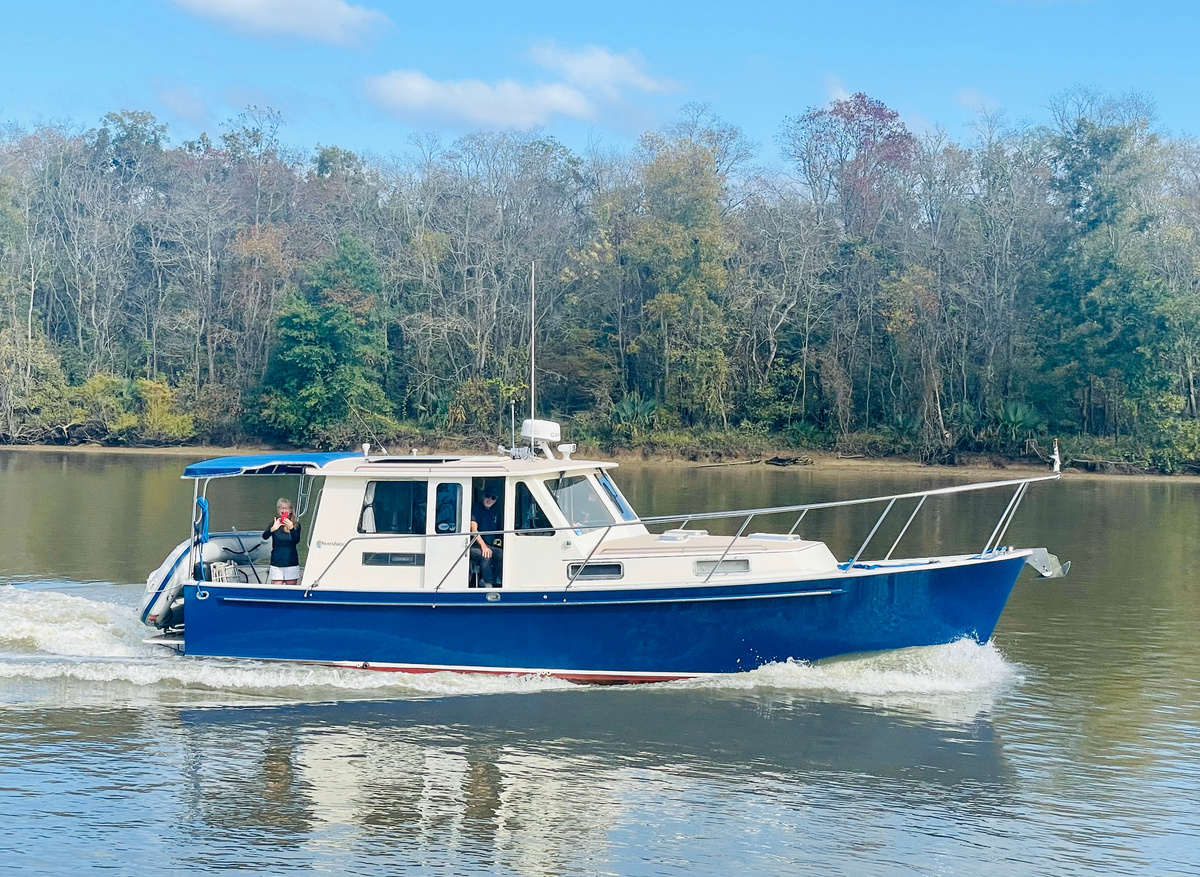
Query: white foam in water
x=953, y=681
x=51, y=622
x=260, y=677
x=960, y=667
x=50, y=636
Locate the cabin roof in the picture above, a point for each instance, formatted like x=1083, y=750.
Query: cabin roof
x=271, y=463
x=485, y=466
x=353, y=463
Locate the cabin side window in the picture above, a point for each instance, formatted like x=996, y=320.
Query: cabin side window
x=529, y=515
x=595, y=571
x=709, y=567
x=394, y=507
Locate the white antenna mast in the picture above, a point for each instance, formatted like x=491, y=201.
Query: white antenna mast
x=532, y=345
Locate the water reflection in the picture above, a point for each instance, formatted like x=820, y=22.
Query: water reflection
x=1069, y=747
x=105, y=515
x=544, y=784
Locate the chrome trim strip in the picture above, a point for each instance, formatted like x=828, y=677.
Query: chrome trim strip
x=422, y=603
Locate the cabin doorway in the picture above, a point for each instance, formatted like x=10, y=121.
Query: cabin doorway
x=446, y=560
x=488, y=541
x=533, y=548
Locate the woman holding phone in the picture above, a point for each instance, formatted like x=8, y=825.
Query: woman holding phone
x=284, y=534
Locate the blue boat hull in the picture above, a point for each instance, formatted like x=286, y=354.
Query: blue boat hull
x=616, y=635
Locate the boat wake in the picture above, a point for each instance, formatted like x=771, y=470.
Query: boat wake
x=961, y=667
x=36, y=621
x=75, y=648
x=952, y=682
x=81, y=644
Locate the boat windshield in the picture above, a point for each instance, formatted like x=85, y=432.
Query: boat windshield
x=580, y=502
x=618, y=498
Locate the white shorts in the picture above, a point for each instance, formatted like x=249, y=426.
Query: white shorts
x=284, y=574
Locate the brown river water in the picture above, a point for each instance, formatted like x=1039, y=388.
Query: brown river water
x=1069, y=744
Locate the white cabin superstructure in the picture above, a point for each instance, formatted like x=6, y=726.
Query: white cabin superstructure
x=401, y=523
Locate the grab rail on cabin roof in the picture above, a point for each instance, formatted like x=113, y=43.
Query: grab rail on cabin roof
x=993, y=542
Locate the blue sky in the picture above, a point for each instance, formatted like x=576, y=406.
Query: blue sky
x=366, y=75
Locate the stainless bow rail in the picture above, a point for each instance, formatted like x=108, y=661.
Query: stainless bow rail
x=1021, y=486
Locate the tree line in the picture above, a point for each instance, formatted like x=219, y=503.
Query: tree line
x=871, y=289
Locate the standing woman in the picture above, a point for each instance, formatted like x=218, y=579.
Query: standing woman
x=284, y=534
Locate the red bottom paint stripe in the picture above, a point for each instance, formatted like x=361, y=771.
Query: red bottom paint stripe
x=585, y=677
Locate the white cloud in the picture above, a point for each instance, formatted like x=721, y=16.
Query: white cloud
x=407, y=94
x=326, y=21
x=597, y=69
x=586, y=79
x=834, y=89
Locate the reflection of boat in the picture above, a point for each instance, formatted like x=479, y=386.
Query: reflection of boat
x=555, y=783
x=699, y=734
x=589, y=592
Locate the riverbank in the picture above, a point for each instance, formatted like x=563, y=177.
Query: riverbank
x=965, y=463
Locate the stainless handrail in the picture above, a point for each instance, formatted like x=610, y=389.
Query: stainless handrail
x=1016, y=498
x=870, y=536
x=937, y=491
x=729, y=547
x=579, y=570
x=1021, y=484
x=904, y=529
x=1021, y=491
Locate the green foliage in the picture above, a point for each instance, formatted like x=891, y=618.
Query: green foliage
x=104, y=409
x=158, y=419
x=577, y=372
x=323, y=384
x=883, y=296
x=320, y=386
x=118, y=411
x=679, y=251
x=1176, y=446
x=219, y=415
x=698, y=445
x=1100, y=302
x=1012, y=424
x=633, y=415
x=11, y=222
x=350, y=279
x=965, y=425
x=435, y=413
x=884, y=442
x=806, y=436
x=481, y=406
x=36, y=404
x=33, y=390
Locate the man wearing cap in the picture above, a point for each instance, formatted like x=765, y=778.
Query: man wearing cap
x=486, y=550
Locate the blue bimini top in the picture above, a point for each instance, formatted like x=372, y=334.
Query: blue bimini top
x=265, y=464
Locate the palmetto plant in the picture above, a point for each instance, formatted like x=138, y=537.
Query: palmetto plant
x=635, y=412
x=1017, y=421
